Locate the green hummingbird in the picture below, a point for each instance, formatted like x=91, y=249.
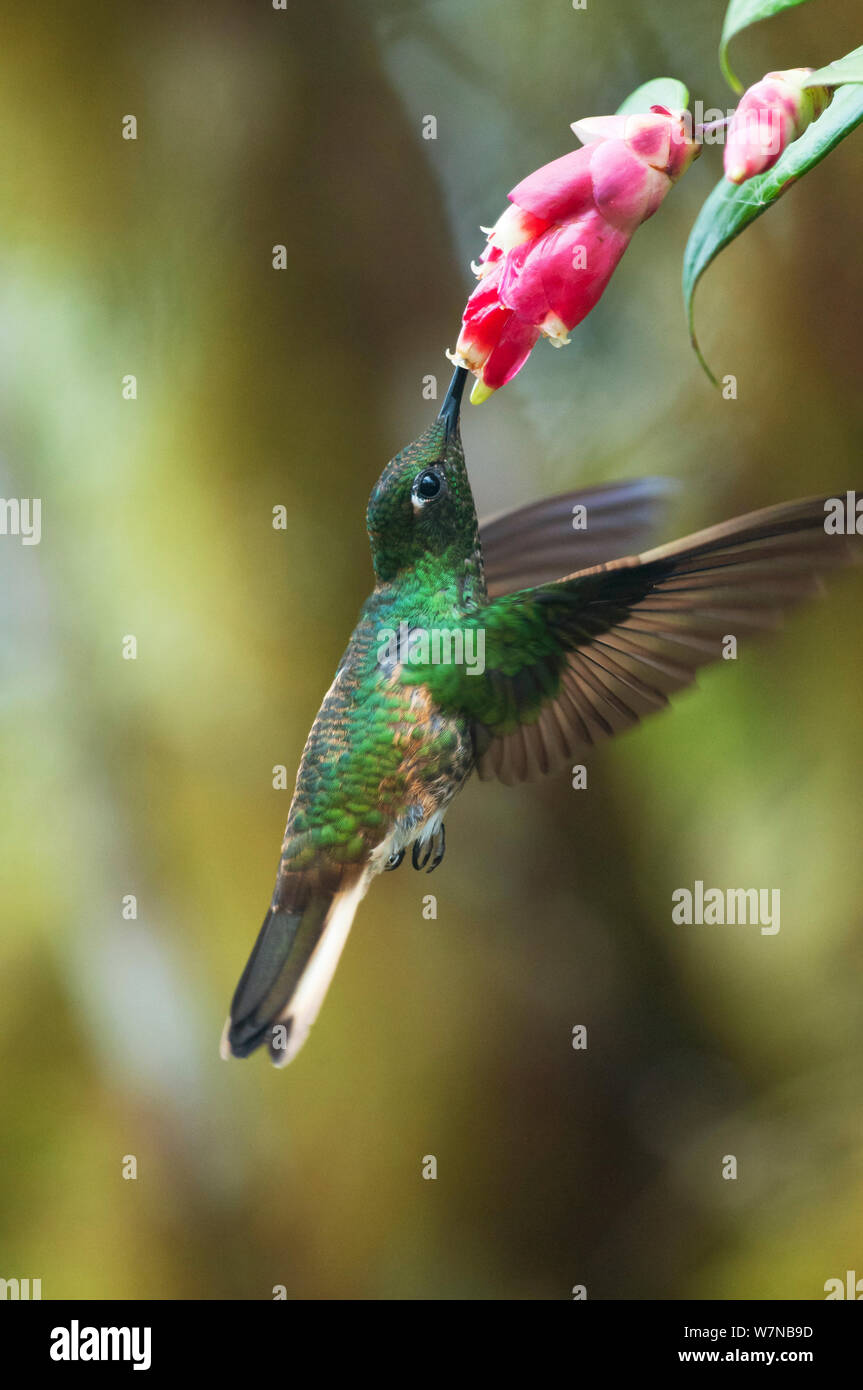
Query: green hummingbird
x=473, y=653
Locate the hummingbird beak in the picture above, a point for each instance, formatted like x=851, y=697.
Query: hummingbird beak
x=452, y=401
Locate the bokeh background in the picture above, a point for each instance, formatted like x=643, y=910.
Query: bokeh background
x=154, y=777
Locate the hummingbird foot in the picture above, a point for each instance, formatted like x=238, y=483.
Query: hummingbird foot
x=394, y=861
x=428, y=854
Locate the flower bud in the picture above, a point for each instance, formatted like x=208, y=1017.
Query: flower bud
x=770, y=116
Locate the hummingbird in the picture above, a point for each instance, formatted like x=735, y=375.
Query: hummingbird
x=579, y=641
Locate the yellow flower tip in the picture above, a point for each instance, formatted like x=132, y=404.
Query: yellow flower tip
x=480, y=392
x=736, y=173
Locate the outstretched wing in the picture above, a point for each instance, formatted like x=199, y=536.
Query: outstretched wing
x=571, y=663
x=545, y=540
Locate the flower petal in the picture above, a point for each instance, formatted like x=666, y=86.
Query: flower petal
x=559, y=191
x=593, y=128
x=626, y=189
x=512, y=351
x=565, y=273
x=483, y=321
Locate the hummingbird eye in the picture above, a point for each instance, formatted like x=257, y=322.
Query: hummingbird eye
x=427, y=485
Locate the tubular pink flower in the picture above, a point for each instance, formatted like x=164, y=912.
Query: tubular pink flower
x=770, y=115
x=551, y=254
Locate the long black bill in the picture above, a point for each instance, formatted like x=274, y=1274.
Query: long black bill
x=452, y=400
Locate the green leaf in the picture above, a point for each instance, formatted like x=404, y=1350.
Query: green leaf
x=662, y=91
x=847, y=69
x=731, y=207
x=739, y=15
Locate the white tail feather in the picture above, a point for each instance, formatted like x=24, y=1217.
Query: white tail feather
x=304, y=1005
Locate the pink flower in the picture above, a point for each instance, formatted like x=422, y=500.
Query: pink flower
x=551, y=254
x=770, y=115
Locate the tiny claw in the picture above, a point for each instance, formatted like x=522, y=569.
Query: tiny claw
x=394, y=861
x=418, y=847
x=428, y=854
x=440, y=848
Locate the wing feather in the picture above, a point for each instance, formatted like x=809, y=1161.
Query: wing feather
x=532, y=545
x=633, y=631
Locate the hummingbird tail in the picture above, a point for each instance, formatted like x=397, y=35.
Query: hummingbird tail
x=289, y=971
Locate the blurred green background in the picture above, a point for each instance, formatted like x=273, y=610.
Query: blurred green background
x=153, y=777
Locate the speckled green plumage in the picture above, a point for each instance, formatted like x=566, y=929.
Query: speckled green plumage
x=380, y=757
x=527, y=636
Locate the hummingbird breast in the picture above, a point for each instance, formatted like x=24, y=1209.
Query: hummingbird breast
x=381, y=764
x=437, y=757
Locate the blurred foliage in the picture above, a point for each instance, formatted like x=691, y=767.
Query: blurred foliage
x=153, y=777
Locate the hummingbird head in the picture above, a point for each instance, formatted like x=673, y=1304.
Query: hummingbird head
x=422, y=506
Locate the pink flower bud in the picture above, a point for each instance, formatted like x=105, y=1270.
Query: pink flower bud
x=550, y=256
x=770, y=115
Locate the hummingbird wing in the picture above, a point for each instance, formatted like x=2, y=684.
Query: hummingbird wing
x=571, y=663
x=543, y=541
